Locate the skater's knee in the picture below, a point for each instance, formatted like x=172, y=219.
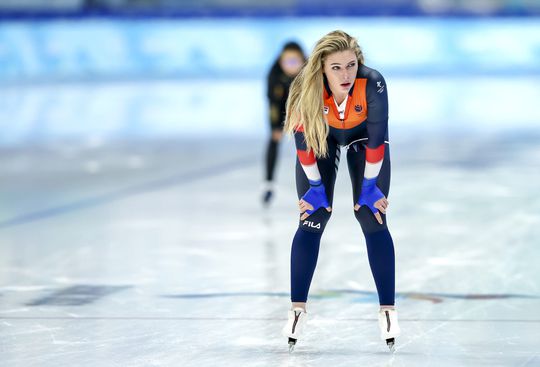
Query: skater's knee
x=367, y=220
x=316, y=222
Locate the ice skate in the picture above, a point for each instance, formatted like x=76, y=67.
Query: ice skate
x=267, y=197
x=268, y=193
x=295, y=324
x=388, y=324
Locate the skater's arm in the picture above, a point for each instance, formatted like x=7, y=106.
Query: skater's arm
x=377, y=126
x=275, y=116
x=275, y=93
x=377, y=123
x=306, y=157
x=315, y=197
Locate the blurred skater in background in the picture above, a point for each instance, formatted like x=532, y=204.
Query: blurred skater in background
x=337, y=101
x=280, y=77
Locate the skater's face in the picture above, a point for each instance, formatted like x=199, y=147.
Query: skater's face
x=340, y=69
x=291, y=62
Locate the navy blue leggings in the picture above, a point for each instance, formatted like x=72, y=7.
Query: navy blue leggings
x=306, y=242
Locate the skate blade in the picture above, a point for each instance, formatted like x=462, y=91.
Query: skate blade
x=292, y=343
x=391, y=343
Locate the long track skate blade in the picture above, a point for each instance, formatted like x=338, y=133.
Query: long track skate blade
x=391, y=344
x=292, y=343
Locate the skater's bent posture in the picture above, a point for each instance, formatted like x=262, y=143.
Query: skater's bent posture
x=336, y=101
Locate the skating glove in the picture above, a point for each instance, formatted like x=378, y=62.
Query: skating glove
x=370, y=194
x=316, y=196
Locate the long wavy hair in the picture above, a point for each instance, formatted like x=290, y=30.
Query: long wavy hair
x=305, y=103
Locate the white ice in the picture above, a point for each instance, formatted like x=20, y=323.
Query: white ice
x=158, y=253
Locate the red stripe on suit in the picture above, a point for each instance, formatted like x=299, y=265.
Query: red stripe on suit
x=375, y=155
x=306, y=158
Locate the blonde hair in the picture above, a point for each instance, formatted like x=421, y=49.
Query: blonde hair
x=305, y=102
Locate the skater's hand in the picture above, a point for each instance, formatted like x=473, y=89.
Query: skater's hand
x=373, y=198
x=277, y=135
x=313, y=199
x=307, y=209
x=381, y=205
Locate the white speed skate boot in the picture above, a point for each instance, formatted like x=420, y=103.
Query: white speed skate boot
x=388, y=324
x=296, y=321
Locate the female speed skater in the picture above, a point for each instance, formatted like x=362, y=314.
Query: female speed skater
x=337, y=101
x=280, y=77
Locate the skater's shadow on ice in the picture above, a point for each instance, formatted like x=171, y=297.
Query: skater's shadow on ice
x=313, y=353
x=339, y=358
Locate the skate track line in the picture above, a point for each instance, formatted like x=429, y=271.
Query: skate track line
x=130, y=191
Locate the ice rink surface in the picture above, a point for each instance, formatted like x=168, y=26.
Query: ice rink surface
x=131, y=227
x=160, y=254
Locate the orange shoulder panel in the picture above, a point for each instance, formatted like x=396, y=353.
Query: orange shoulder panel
x=355, y=112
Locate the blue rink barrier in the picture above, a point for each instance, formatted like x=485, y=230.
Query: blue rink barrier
x=101, y=79
x=232, y=48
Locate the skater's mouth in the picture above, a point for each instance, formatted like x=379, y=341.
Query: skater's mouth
x=345, y=85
